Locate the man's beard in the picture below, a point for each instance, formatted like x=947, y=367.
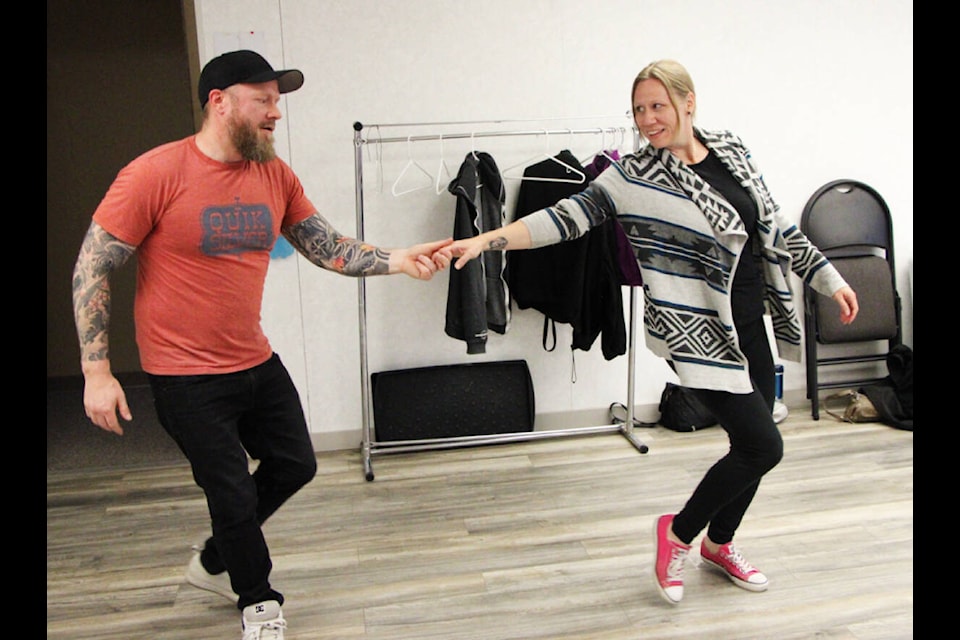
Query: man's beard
x=246, y=138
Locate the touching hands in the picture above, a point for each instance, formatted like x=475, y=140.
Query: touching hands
x=463, y=250
x=849, y=307
x=511, y=237
x=418, y=262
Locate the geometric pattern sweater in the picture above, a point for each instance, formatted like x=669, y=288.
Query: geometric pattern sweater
x=688, y=240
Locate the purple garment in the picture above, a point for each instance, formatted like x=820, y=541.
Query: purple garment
x=626, y=260
x=600, y=162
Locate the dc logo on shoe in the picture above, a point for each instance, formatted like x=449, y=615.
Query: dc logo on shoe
x=260, y=608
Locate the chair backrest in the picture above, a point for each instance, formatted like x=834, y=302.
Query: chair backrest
x=851, y=225
x=848, y=217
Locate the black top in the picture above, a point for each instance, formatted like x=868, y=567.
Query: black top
x=577, y=281
x=746, y=294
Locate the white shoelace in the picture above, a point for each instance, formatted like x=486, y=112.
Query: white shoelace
x=675, y=568
x=269, y=630
x=737, y=558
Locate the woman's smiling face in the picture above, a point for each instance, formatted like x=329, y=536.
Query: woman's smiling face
x=657, y=119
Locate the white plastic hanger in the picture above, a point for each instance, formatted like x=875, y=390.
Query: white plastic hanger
x=473, y=152
x=378, y=159
x=443, y=170
x=473, y=146
x=604, y=150
x=603, y=141
x=411, y=163
x=621, y=145
x=607, y=152
x=510, y=173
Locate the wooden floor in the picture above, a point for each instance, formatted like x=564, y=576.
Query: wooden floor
x=549, y=539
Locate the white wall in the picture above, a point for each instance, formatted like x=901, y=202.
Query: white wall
x=819, y=89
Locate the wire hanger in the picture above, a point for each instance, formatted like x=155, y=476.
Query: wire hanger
x=510, y=173
x=440, y=186
x=414, y=164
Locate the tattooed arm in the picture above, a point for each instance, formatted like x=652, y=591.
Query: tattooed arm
x=325, y=247
x=100, y=255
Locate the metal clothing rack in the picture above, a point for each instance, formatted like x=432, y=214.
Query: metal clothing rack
x=370, y=446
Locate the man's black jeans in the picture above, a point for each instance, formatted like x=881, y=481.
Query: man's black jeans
x=217, y=421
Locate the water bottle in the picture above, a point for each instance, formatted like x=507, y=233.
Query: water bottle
x=779, y=409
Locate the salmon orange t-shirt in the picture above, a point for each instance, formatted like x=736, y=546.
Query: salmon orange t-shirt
x=204, y=231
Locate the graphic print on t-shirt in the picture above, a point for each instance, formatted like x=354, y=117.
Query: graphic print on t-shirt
x=236, y=228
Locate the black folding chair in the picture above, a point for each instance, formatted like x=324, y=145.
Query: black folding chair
x=851, y=225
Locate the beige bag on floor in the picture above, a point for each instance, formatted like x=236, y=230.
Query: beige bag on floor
x=850, y=405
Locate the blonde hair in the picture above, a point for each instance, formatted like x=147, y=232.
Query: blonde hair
x=674, y=77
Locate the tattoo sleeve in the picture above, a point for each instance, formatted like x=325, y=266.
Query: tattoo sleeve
x=100, y=254
x=322, y=245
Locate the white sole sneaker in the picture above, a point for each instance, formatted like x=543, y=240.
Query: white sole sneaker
x=263, y=621
x=219, y=583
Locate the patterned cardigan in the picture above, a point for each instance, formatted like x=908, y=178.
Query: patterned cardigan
x=688, y=240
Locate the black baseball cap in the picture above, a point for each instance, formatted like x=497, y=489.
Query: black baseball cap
x=243, y=67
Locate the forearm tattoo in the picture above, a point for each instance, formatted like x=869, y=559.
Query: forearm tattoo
x=100, y=254
x=498, y=243
x=322, y=245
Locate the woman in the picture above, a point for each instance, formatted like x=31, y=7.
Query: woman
x=715, y=255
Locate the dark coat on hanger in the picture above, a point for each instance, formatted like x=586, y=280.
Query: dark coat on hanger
x=477, y=296
x=575, y=282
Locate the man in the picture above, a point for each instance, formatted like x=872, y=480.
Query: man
x=203, y=214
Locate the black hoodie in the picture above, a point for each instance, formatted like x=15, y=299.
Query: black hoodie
x=478, y=297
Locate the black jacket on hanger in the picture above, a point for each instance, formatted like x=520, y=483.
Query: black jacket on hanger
x=477, y=295
x=575, y=282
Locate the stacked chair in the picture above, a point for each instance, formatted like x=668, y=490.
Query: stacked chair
x=851, y=225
